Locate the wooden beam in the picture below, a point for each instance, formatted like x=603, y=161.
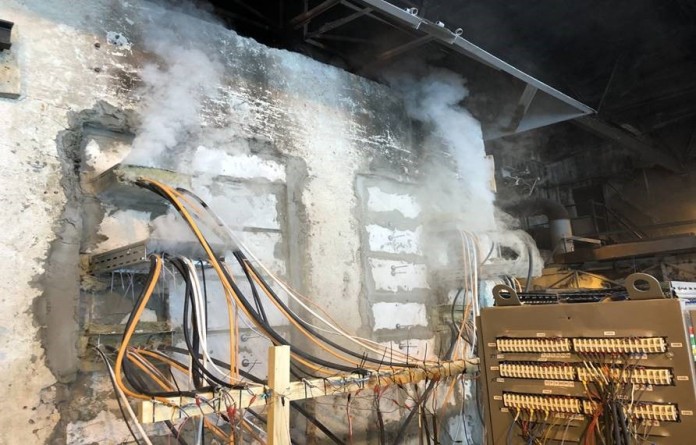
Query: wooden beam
x=278, y=424
x=259, y=395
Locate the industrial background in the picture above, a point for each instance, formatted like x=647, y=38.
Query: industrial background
x=391, y=161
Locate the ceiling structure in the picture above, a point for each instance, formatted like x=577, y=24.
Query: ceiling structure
x=534, y=63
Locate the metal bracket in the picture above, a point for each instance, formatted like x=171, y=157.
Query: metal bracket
x=5, y=35
x=504, y=295
x=131, y=255
x=653, y=291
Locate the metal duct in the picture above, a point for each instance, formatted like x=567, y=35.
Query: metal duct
x=559, y=220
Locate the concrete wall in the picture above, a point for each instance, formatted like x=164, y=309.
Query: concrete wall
x=312, y=162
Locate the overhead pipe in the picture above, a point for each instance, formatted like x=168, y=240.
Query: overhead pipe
x=560, y=228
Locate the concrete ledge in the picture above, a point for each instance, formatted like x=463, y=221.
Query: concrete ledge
x=117, y=186
x=10, y=86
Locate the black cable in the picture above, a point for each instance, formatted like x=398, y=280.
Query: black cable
x=180, y=266
x=404, y=425
x=244, y=263
x=625, y=433
x=275, y=337
x=118, y=398
x=454, y=303
x=128, y=372
x=205, y=295
x=380, y=423
x=255, y=294
x=175, y=433
x=241, y=258
x=615, y=423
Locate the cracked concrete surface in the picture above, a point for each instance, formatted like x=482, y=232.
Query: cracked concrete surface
x=338, y=125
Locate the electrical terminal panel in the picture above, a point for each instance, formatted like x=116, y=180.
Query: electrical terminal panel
x=534, y=356
x=627, y=345
x=646, y=376
x=545, y=371
x=552, y=404
x=533, y=345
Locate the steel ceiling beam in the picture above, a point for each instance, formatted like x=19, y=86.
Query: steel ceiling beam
x=307, y=16
x=627, y=139
x=463, y=46
x=394, y=52
x=326, y=27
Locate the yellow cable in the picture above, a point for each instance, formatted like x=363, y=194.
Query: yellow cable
x=147, y=293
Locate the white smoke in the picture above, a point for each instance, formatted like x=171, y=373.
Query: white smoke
x=434, y=96
x=460, y=196
x=174, y=86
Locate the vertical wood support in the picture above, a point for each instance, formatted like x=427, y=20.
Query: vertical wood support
x=278, y=425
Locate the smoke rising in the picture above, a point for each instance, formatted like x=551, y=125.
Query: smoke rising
x=459, y=189
x=175, y=85
x=433, y=96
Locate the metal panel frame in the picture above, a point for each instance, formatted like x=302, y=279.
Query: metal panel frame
x=647, y=318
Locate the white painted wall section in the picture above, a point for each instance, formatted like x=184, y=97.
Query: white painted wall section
x=396, y=276
x=385, y=239
x=381, y=201
x=243, y=166
x=399, y=315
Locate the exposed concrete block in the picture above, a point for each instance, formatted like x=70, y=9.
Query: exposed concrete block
x=267, y=247
x=10, y=85
x=381, y=201
x=385, y=239
x=241, y=204
x=399, y=315
x=242, y=166
x=253, y=351
x=395, y=276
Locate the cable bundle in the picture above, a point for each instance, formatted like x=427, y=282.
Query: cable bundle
x=157, y=375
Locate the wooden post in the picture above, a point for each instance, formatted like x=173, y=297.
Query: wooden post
x=278, y=425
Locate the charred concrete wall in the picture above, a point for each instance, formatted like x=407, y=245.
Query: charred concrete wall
x=323, y=163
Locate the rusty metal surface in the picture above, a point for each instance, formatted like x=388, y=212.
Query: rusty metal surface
x=676, y=244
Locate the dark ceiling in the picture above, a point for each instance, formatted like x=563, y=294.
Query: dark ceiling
x=632, y=60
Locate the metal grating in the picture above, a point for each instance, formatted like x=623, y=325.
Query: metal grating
x=123, y=257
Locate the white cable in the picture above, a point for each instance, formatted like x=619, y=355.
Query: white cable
x=201, y=320
x=199, y=434
x=236, y=241
x=131, y=414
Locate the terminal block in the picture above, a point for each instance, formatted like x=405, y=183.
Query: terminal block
x=645, y=376
x=542, y=403
x=533, y=345
x=666, y=412
x=654, y=411
x=543, y=371
x=627, y=345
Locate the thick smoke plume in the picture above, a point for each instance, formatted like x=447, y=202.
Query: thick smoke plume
x=433, y=96
x=459, y=189
x=175, y=84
